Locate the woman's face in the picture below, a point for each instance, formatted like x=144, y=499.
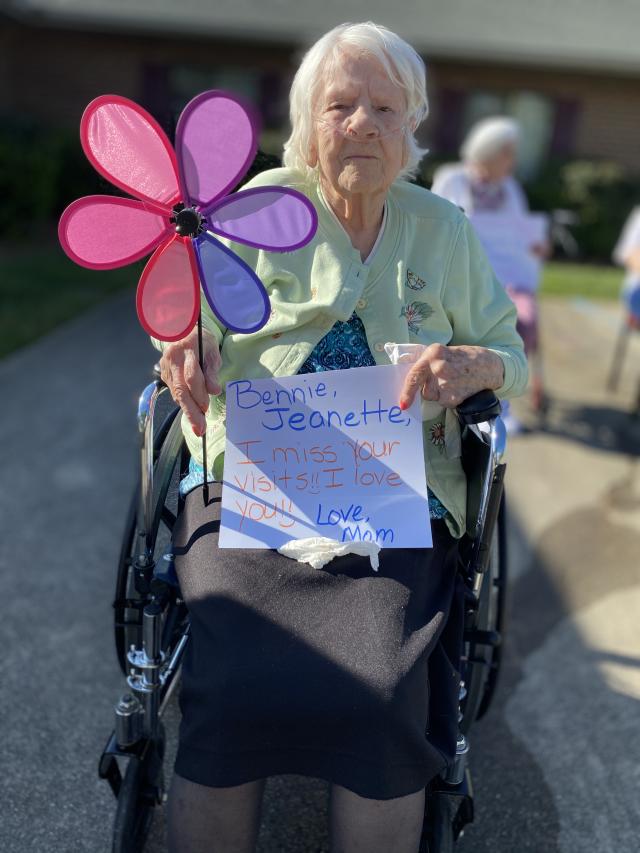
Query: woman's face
x=359, y=141
x=500, y=166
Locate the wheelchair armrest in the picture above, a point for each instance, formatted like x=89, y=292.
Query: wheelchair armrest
x=479, y=407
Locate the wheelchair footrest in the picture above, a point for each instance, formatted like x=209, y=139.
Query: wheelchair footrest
x=483, y=638
x=465, y=813
x=108, y=766
x=462, y=794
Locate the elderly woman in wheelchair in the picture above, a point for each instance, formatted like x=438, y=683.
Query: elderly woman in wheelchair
x=344, y=674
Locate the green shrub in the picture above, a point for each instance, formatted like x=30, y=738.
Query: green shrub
x=601, y=194
x=42, y=169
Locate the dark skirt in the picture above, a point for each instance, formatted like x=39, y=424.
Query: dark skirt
x=340, y=673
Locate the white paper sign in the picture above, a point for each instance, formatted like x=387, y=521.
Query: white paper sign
x=508, y=238
x=324, y=454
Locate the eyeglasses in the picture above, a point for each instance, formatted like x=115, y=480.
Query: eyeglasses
x=342, y=119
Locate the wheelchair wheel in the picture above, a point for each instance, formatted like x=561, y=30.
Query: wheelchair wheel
x=482, y=661
x=141, y=789
x=170, y=460
x=499, y=593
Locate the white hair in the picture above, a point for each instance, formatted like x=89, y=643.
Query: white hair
x=487, y=137
x=401, y=62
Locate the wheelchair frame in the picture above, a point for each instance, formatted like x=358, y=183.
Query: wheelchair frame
x=152, y=626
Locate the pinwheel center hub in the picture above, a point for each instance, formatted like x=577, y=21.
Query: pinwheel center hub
x=188, y=221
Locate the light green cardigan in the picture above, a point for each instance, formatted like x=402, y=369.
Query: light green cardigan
x=429, y=281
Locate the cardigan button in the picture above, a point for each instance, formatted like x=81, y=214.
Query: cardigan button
x=361, y=303
x=379, y=347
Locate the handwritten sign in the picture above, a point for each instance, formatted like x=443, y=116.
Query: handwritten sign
x=508, y=238
x=324, y=454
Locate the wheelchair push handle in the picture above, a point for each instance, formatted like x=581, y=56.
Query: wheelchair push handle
x=479, y=407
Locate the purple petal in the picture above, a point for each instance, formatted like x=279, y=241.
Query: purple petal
x=234, y=292
x=216, y=141
x=274, y=218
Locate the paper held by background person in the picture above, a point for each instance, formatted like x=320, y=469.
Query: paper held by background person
x=509, y=239
x=326, y=454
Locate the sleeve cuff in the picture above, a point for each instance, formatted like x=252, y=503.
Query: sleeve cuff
x=510, y=374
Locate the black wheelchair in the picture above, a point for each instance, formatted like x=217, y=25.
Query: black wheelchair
x=152, y=622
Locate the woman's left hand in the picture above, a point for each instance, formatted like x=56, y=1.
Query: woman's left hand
x=449, y=375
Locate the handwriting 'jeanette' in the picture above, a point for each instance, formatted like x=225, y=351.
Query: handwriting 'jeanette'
x=277, y=408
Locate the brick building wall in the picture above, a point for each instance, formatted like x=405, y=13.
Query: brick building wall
x=51, y=74
x=596, y=116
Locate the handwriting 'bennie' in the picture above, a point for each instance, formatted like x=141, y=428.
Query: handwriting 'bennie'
x=277, y=417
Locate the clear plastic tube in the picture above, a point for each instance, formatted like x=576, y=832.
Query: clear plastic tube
x=341, y=125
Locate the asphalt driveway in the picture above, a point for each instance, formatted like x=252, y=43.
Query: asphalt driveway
x=556, y=762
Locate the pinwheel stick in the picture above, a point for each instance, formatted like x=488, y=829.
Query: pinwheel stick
x=204, y=436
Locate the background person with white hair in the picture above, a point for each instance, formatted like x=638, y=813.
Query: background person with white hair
x=484, y=183
x=484, y=179
x=343, y=674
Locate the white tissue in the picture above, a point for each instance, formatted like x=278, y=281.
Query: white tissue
x=318, y=550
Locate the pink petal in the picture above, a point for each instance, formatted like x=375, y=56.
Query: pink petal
x=168, y=297
x=129, y=148
x=274, y=218
x=102, y=232
x=216, y=141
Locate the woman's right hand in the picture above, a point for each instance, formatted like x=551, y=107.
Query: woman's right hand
x=189, y=386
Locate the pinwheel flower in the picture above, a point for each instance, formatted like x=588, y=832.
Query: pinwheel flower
x=181, y=202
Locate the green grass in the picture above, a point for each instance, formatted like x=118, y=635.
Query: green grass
x=586, y=280
x=40, y=288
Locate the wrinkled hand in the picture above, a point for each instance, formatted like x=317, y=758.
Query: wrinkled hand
x=449, y=375
x=189, y=386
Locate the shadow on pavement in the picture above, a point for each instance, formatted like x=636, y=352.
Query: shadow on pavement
x=519, y=785
x=604, y=428
x=551, y=761
x=70, y=445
